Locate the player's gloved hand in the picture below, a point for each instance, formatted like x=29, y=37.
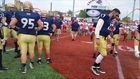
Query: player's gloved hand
x=15, y=29
x=2, y=41
x=137, y=54
x=52, y=33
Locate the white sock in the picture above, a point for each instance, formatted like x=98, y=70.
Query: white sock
x=99, y=59
x=115, y=49
x=136, y=48
x=39, y=58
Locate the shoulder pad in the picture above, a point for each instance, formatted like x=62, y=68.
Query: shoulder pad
x=102, y=15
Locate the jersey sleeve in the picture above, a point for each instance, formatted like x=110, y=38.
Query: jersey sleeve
x=4, y=13
x=38, y=17
x=17, y=15
x=120, y=26
x=53, y=21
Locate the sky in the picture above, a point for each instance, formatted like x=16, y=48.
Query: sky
x=125, y=6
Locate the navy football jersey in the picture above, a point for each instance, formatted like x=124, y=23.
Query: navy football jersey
x=58, y=24
x=1, y=15
x=27, y=22
x=138, y=28
x=117, y=27
x=47, y=22
x=9, y=16
x=95, y=23
x=105, y=30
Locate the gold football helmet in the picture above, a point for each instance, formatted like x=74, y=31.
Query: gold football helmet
x=43, y=13
x=9, y=6
x=27, y=5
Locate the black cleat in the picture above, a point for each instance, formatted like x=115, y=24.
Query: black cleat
x=115, y=54
x=110, y=52
x=39, y=61
x=31, y=65
x=17, y=56
x=49, y=61
x=4, y=51
x=23, y=70
x=4, y=68
x=100, y=70
x=95, y=70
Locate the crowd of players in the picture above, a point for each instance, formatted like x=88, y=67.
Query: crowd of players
x=28, y=27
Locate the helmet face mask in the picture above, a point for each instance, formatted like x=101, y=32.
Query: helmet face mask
x=11, y=7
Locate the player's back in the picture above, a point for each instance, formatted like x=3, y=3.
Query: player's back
x=47, y=22
x=27, y=22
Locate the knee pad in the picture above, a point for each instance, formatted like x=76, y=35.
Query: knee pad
x=113, y=44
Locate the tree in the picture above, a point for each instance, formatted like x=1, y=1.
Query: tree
x=82, y=14
x=69, y=13
x=125, y=19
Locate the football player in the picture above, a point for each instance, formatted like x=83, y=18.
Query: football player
x=116, y=36
x=136, y=47
x=8, y=16
x=43, y=37
x=2, y=68
x=27, y=32
x=101, y=32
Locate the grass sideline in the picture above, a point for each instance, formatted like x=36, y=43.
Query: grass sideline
x=43, y=71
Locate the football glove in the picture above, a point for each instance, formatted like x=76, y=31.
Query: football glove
x=16, y=29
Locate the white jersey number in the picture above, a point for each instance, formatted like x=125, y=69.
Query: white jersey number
x=46, y=26
x=29, y=22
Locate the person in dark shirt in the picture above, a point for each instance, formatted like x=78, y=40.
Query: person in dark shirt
x=2, y=68
x=117, y=31
x=74, y=30
x=58, y=24
x=27, y=20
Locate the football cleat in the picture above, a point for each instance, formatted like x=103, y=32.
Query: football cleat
x=95, y=70
x=115, y=54
x=31, y=65
x=23, y=70
x=137, y=54
x=100, y=70
x=49, y=61
x=39, y=61
x=4, y=68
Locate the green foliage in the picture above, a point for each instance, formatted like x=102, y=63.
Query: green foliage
x=82, y=14
x=69, y=13
x=43, y=71
x=125, y=19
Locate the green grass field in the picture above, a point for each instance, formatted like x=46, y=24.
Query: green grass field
x=43, y=71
